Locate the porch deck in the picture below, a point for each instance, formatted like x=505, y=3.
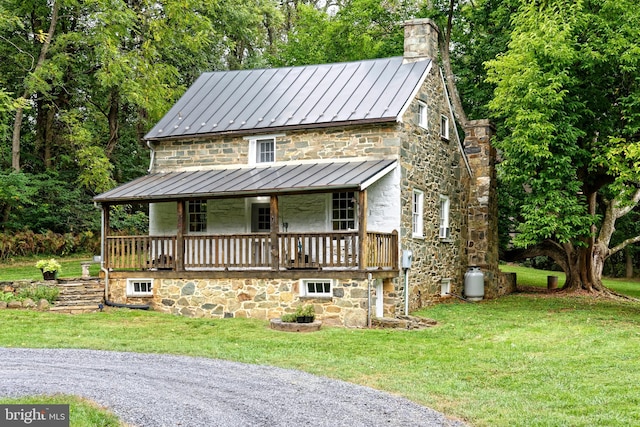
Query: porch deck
x=255, y=251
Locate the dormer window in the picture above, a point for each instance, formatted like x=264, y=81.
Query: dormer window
x=422, y=115
x=262, y=149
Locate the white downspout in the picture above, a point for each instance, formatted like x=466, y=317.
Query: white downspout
x=103, y=240
x=406, y=291
x=153, y=156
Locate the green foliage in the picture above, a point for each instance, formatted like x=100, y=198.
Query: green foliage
x=289, y=318
x=360, y=29
x=43, y=202
x=48, y=265
x=26, y=243
x=127, y=220
x=36, y=293
x=565, y=90
x=7, y=296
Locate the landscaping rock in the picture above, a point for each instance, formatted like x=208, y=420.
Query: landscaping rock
x=3, y=305
x=43, y=305
x=14, y=304
x=28, y=303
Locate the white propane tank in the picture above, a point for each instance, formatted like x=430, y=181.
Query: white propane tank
x=474, y=284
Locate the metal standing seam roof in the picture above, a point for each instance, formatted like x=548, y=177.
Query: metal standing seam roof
x=264, y=100
x=243, y=181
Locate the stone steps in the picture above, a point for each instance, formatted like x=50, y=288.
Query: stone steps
x=81, y=296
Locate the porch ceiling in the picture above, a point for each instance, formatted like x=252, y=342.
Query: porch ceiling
x=253, y=181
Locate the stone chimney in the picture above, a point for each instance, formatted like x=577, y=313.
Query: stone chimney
x=482, y=246
x=420, y=40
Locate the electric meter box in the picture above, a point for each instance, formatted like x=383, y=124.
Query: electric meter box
x=407, y=258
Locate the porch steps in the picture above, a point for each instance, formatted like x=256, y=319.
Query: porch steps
x=79, y=296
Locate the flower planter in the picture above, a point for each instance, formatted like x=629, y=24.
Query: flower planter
x=50, y=275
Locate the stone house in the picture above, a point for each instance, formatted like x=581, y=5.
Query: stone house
x=345, y=186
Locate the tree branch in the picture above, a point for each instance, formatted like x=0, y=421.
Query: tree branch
x=445, y=42
x=620, y=212
x=623, y=245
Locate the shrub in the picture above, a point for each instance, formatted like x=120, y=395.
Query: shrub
x=289, y=318
x=50, y=293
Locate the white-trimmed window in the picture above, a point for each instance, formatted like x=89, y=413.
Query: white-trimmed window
x=317, y=288
x=343, y=211
x=139, y=287
x=197, y=216
x=422, y=115
x=445, y=287
x=444, y=127
x=417, y=204
x=444, y=218
x=262, y=150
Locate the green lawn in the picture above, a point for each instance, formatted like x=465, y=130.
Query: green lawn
x=538, y=278
x=518, y=361
x=521, y=360
x=24, y=268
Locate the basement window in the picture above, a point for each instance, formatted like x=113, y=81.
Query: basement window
x=139, y=287
x=317, y=288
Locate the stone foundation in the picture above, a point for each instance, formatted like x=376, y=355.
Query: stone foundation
x=253, y=298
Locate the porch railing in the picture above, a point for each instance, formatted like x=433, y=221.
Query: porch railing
x=335, y=250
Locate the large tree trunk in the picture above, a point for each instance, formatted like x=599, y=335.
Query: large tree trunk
x=582, y=265
x=628, y=263
x=17, y=123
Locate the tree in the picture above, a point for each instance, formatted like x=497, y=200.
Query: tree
x=568, y=90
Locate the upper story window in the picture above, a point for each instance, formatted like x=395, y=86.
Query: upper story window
x=343, y=212
x=445, y=232
x=444, y=127
x=422, y=115
x=416, y=214
x=197, y=216
x=262, y=149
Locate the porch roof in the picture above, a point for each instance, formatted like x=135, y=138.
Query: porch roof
x=233, y=181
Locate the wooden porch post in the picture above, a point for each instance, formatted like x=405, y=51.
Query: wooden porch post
x=275, y=229
x=180, y=236
x=105, y=233
x=362, y=229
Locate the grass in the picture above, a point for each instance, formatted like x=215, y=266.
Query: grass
x=518, y=361
x=538, y=278
x=521, y=360
x=23, y=268
x=82, y=412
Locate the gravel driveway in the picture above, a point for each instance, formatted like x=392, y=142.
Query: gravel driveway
x=160, y=390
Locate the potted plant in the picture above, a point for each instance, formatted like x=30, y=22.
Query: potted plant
x=49, y=268
x=305, y=314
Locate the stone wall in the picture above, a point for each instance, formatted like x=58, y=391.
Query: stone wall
x=251, y=298
x=483, y=204
x=435, y=166
x=377, y=141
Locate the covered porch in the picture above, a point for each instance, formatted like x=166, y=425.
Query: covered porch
x=338, y=245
